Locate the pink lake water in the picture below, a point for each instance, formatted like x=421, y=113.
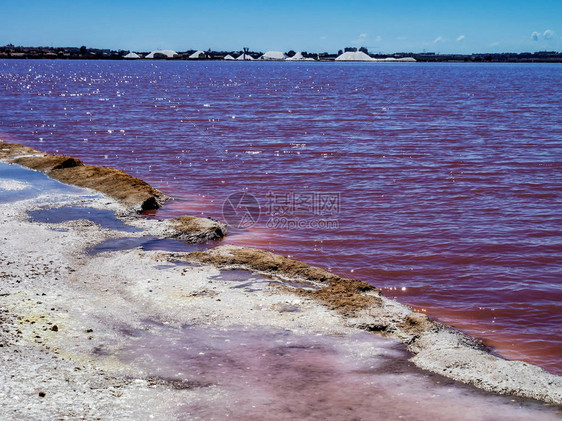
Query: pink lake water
x=439, y=183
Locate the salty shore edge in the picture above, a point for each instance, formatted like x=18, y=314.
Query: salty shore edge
x=437, y=347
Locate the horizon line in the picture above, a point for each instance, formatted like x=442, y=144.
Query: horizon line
x=296, y=51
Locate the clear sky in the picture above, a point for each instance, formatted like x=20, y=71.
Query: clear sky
x=387, y=26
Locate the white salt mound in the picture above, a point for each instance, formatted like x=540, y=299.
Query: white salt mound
x=167, y=53
x=354, y=56
x=299, y=57
x=245, y=57
x=274, y=55
x=198, y=54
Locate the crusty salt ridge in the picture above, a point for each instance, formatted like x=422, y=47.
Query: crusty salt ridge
x=131, y=191
x=96, y=299
x=194, y=229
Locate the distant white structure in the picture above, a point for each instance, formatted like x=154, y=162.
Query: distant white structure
x=244, y=56
x=361, y=56
x=198, y=55
x=274, y=55
x=162, y=54
x=228, y=57
x=132, y=55
x=394, y=59
x=299, y=57
x=354, y=56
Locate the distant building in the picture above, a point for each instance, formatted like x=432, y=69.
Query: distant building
x=228, y=57
x=131, y=55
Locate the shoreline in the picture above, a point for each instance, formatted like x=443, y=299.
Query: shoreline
x=436, y=347
x=72, y=53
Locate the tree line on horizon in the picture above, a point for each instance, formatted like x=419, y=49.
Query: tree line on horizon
x=83, y=52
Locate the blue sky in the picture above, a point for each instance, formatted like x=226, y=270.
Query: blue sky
x=381, y=26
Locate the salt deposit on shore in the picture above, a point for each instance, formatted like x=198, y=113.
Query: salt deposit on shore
x=135, y=334
x=361, y=56
x=130, y=191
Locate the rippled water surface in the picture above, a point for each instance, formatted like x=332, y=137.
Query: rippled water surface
x=440, y=183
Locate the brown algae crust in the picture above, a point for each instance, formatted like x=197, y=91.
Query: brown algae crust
x=12, y=150
x=130, y=191
x=47, y=163
x=194, y=229
x=346, y=296
x=262, y=261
